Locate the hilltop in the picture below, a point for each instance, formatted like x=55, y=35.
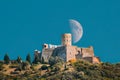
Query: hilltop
x=64, y=62
x=57, y=69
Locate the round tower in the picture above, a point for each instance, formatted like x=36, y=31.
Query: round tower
x=66, y=39
x=45, y=46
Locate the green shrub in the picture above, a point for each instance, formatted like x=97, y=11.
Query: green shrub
x=44, y=67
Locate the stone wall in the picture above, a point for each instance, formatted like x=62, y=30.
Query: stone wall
x=60, y=52
x=96, y=60
x=46, y=54
x=92, y=59
x=79, y=53
x=70, y=53
x=89, y=59
x=87, y=52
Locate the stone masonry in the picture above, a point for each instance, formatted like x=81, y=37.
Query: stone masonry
x=68, y=52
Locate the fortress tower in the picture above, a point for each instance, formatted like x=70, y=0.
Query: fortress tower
x=66, y=39
x=68, y=52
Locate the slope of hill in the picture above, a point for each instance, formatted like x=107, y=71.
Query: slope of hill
x=58, y=70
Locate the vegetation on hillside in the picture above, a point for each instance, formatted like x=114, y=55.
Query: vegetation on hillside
x=57, y=69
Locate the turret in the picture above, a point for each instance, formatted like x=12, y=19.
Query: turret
x=66, y=39
x=45, y=46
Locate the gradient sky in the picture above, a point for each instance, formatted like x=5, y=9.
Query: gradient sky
x=26, y=24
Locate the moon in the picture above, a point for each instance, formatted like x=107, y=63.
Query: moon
x=76, y=30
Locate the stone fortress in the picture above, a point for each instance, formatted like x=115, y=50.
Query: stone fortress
x=67, y=51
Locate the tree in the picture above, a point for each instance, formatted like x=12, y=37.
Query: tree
x=19, y=60
x=1, y=66
x=36, y=60
x=6, y=59
x=25, y=65
x=28, y=58
x=56, y=68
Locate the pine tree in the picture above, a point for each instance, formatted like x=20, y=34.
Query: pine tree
x=19, y=60
x=28, y=58
x=6, y=59
x=36, y=60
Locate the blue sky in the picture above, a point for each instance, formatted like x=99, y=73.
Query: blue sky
x=26, y=24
